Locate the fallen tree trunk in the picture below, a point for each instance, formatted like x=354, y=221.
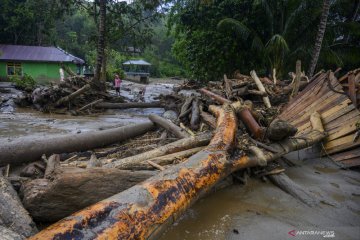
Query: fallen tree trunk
x=52, y=163
x=12, y=213
x=286, y=184
x=92, y=104
x=207, y=118
x=169, y=126
x=180, y=145
x=195, y=115
x=185, y=108
x=25, y=150
x=73, y=95
x=107, y=105
x=147, y=209
x=71, y=189
x=8, y=234
x=163, y=160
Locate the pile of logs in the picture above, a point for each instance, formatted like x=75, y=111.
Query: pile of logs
x=149, y=173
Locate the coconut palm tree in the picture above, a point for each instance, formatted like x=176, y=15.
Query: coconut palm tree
x=319, y=37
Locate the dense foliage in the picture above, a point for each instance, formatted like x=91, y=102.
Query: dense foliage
x=201, y=39
x=220, y=36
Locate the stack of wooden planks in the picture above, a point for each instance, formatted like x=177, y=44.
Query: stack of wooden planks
x=339, y=115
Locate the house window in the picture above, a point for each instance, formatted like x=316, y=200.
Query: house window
x=14, y=69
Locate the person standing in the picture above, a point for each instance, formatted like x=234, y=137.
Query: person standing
x=117, y=83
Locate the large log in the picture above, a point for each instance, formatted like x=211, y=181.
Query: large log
x=147, y=209
x=92, y=104
x=207, y=118
x=107, y=105
x=195, y=115
x=71, y=189
x=168, y=125
x=177, y=146
x=8, y=234
x=24, y=150
x=12, y=213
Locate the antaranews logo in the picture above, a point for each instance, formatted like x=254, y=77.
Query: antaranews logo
x=323, y=233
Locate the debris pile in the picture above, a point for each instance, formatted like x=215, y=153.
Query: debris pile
x=142, y=177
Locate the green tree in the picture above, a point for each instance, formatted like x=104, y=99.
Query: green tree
x=220, y=36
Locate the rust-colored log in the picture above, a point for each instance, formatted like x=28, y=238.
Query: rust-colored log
x=243, y=113
x=145, y=210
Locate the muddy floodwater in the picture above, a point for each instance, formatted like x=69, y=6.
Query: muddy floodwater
x=257, y=210
x=20, y=122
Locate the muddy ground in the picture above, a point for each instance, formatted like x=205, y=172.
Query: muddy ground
x=257, y=210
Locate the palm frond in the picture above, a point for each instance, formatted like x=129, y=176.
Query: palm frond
x=233, y=25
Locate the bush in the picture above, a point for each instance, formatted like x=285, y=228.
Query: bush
x=110, y=74
x=23, y=82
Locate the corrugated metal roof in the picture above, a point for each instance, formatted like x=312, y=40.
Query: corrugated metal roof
x=36, y=53
x=136, y=62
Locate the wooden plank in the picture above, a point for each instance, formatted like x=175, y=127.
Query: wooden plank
x=346, y=155
x=332, y=116
x=330, y=126
x=309, y=90
x=353, y=162
x=341, y=144
x=313, y=91
x=352, y=89
x=342, y=131
x=328, y=101
x=346, y=118
x=309, y=101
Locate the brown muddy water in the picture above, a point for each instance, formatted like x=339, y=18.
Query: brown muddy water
x=257, y=210
x=20, y=122
x=260, y=210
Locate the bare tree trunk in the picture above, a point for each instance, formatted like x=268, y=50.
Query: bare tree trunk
x=319, y=37
x=101, y=47
x=12, y=213
x=21, y=151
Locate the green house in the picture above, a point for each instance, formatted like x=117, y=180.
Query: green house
x=41, y=63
